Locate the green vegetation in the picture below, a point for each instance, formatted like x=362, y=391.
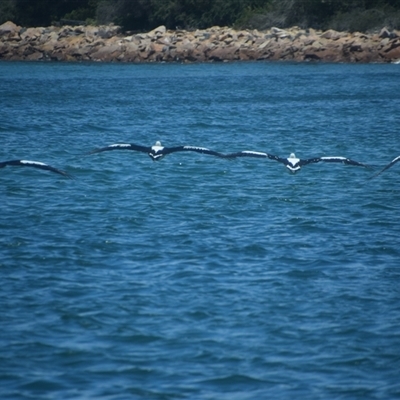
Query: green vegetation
x=136, y=15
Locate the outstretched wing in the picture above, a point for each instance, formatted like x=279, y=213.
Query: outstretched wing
x=343, y=160
x=247, y=153
x=203, y=150
x=34, y=164
x=122, y=146
x=394, y=161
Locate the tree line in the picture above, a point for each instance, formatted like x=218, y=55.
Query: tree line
x=142, y=15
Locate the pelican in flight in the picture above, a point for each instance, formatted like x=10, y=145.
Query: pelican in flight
x=34, y=164
x=394, y=161
x=158, y=151
x=292, y=162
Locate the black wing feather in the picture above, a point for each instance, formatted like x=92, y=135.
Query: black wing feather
x=279, y=159
x=122, y=146
x=309, y=161
x=342, y=160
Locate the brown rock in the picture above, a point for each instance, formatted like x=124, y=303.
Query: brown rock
x=266, y=45
x=384, y=42
x=75, y=41
x=108, y=31
x=57, y=55
x=223, y=53
x=309, y=40
x=79, y=52
x=65, y=31
x=157, y=32
x=392, y=55
x=145, y=51
x=332, y=35
x=35, y=56
x=32, y=34
x=3, y=48
x=9, y=28
x=247, y=53
x=131, y=51
x=391, y=51
x=201, y=51
x=106, y=53
x=159, y=48
x=91, y=32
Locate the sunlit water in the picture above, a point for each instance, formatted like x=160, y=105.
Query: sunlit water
x=197, y=277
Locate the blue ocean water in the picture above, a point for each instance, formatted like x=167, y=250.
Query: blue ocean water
x=197, y=277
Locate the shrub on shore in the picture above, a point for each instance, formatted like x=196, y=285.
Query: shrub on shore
x=343, y=15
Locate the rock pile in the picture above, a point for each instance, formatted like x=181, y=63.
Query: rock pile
x=106, y=43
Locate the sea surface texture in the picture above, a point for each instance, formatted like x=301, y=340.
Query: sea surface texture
x=197, y=277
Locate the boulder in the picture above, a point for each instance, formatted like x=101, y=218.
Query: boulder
x=108, y=31
x=248, y=53
x=35, y=56
x=3, y=48
x=91, y=32
x=106, y=53
x=385, y=33
x=391, y=51
x=223, y=53
x=157, y=32
x=332, y=35
x=279, y=33
x=32, y=34
x=9, y=28
x=200, y=53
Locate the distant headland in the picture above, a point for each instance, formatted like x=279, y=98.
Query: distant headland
x=108, y=44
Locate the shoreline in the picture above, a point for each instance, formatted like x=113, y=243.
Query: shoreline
x=215, y=44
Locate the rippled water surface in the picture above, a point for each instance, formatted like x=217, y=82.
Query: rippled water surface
x=197, y=277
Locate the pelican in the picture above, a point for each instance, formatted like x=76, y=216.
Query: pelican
x=293, y=163
x=34, y=164
x=158, y=151
x=394, y=161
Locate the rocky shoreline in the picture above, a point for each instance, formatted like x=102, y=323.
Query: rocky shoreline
x=108, y=44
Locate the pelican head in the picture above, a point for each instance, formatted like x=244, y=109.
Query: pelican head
x=292, y=155
x=158, y=143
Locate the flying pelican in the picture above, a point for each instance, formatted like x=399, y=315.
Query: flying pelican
x=394, y=161
x=156, y=152
x=34, y=164
x=292, y=162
